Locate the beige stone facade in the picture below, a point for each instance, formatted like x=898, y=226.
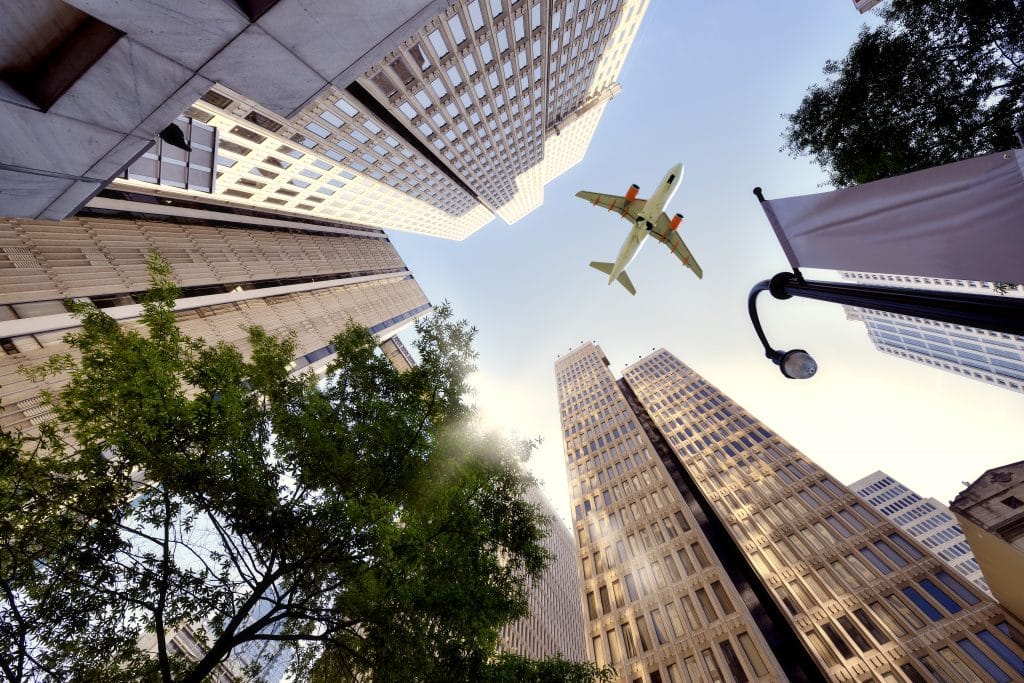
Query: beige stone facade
x=305, y=278
x=991, y=511
x=555, y=624
x=712, y=550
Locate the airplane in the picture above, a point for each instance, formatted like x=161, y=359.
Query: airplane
x=648, y=218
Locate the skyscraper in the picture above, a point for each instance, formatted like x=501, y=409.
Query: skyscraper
x=993, y=357
x=555, y=624
x=468, y=117
x=928, y=521
x=711, y=549
x=424, y=115
x=234, y=268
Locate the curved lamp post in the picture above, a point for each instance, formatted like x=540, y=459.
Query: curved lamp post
x=970, y=310
x=795, y=364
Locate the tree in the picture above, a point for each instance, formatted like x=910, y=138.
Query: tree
x=359, y=519
x=935, y=83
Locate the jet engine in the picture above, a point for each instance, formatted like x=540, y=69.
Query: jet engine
x=676, y=220
x=631, y=192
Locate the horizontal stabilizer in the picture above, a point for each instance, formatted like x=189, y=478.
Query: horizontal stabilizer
x=605, y=268
x=624, y=281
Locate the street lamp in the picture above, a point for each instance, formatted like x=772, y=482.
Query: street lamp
x=994, y=313
x=794, y=364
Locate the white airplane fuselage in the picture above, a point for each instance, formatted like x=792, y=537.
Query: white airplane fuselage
x=648, y=215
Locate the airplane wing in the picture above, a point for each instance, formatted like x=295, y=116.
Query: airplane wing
x=620, y=205
x=671, y=239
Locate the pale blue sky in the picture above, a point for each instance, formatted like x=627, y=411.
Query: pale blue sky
x=705, y=84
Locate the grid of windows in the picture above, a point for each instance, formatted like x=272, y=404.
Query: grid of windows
x=993, y=357
x=858, y=590
x=468, y=117
x=927, y=520
x=555, y=624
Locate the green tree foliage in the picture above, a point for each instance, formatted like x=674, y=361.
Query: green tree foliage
x=358, y=519
x=937, y=82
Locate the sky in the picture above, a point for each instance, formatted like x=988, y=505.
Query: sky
x=706, y=84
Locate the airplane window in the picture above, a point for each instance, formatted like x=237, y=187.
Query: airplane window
x=671, y=178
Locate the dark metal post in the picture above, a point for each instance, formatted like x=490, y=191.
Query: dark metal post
x=1000, y=314
x=970, y=310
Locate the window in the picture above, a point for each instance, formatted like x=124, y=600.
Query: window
x=598, y=651
x=901, y=608
x=698, y=552
x=659, y=627
x=645, y=636
x=983, y=660
x=733, y=662
x=891, y=554
x=922, y=603
x=906, y=546
x=823, y=651
x=837, y=640
x=875, y=560
x=753, y=656
x=1012, y=502
x=940, y=596
x=855, y=634
x=723, y=597
x=617, y=593
x=705, y=605
x=868, y=623
x=711, y=666
x=631, y=588
x=1000, y=648
x=958, y=588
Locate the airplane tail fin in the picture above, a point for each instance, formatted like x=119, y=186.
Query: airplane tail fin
x=623, y=279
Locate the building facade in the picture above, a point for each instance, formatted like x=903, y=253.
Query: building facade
x=928, y=521
x=710, y=549
x=235, y=269
x=555, y=623
x=86, y=85
x=992, y=357
x=991, y=511
x=424, y=115
x=468, y=117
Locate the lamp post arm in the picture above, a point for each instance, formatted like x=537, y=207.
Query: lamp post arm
x=762, y=286
x=970, y=310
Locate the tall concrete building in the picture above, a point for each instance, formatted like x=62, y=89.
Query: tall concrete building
x=710, y=549
x=424, y=116
x=555, y=623
x=993, y=357
x=235, y=269
x=991, y=511
x=928, y=521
